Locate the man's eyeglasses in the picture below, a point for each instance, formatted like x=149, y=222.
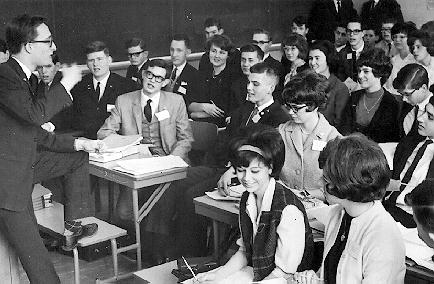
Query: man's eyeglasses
x=135, y=54
x=295, y=108
x=353, y=32
x=49, y=41
x=150, y=76
x=260, y=41
x=407, y=94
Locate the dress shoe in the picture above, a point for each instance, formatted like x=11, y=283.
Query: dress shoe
x=71, y=241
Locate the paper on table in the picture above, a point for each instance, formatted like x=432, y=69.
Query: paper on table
x=321, y=213
x=415, y=248
x=217, y=196
x=118, y=143
x=388, y=150
x=149, y=165
x=160, y=274
x=243, y=276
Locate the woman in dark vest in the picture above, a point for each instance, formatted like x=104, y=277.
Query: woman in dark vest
x=276, y=239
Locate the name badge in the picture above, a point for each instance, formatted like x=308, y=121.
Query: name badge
x=162, y=115
x=134, y=79
x=318, y=145
x=183, y=83
x=182, y=90
x=110, y=107
x=349, y=56
x=256, y=118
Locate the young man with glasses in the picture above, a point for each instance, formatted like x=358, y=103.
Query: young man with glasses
x=95, y=95
x=386, y=42
x=138, y=56
x=350, y=53
x=30, y=42
x=263, y=39
x=161, y=118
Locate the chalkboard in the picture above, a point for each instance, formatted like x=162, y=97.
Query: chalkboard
x=75, y=23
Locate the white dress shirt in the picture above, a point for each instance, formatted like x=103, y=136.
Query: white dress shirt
x=102, y=84
x=155, y=101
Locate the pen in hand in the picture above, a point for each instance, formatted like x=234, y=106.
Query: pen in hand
x=189, y=268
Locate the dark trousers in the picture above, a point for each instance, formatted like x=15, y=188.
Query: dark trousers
x=20, y=228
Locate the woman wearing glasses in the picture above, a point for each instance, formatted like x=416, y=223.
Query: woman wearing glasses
x=323, y=60
x=372, y=110
x=270, y=214
x=362, y=243
x=306, y=134
x=294, y=50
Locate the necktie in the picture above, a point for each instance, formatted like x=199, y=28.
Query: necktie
x=389, y=47
x=354, y=65
x=338, y=2
x=97, y=91
x=410, y=170
x=148, y=111
x=33, y=81
x=252, y=114
x=414, y=126
x=173, y=75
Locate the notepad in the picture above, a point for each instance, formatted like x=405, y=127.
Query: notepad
x=149, y=165
x=118, y=143
x=112, y=156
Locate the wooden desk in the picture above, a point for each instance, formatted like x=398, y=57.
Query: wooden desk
x=135, y=183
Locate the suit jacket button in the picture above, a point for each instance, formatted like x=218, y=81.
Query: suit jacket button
x=297, y=172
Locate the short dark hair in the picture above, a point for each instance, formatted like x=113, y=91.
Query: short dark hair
x=97, y=46
x=268, y=69
x=135, y=41
x=357, y=168
x=412, y=76
x=252, y=48
x=424, y=39
x=421, y=199
x=355, y=19
x=329, y=51
x=342, y=24
x=55, y=57
x=21, y=30
x=267, y=139
x=182, y=37
x=373, y=27
x=262, y=31
x=160, y=63
x=403, y=28
x=306, y=87
x=209, y=22
x=300, y=20
x=3, y=46
x=221, y=41
x=377, y=59
x=294, y=39
x=428, y=27
x=389, y=20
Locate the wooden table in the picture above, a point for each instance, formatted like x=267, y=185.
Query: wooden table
x=135, y=183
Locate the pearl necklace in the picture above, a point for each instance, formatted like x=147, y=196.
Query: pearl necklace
x=370, y=109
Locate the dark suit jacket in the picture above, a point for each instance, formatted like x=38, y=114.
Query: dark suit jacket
x=136, y=75
x=345, y=68
x=90, y=114
x=20, y=120
x=189, y=81
x=384, y=124
x=239, y=92
x=323, y=18
x=384, y=9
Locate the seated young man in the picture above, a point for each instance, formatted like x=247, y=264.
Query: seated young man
x=386, y=42
x=412, y=164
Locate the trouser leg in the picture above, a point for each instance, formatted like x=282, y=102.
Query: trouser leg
x=21, y=231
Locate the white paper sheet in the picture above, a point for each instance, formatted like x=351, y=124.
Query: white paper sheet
x=118, y=143
x=149, y=165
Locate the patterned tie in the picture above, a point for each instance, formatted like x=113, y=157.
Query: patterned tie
x=97, y=91
x=148, y=111
x=173, y=75
x=407, y=177
x=252, y=114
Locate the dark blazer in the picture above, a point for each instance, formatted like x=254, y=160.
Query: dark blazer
x=136, y=75
x=346, y=67
x=337, y=98
x=90, y=114
x=271, y=61
x=187, y=83
x=384, y=124
x=277, y=94
x=234, y=64
x=239, y=92
x=20, y=120
x=384, y=9
x=323, y=18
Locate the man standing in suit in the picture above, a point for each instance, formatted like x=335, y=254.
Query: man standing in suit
x=95, y=95
x=21, y=165
x=375, y=11
x=183, y=77
x=325, y=14
x=138, y=56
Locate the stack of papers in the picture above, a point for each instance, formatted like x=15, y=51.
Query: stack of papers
x=41, y=197
x=111, y=156
x=149, y=165
x=118, y=146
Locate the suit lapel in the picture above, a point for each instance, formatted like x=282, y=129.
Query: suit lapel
x=296, y=139
x=137, y=111
x=20, y=72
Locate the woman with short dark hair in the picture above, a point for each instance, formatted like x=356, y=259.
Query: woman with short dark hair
x=294, y=55
x=362, y=242
x=270, y=214
x=372, y=110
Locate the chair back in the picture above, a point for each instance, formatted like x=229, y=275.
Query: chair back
x=204, y=134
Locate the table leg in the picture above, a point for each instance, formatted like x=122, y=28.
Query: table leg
x=137, y=226
x=215, y=227
x=111, y=189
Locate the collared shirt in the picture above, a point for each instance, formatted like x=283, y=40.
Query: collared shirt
x=155, y=101
x=179, y=69
x=409, y=118
x=359, y=50
x=140, y=67
x=102, y=84
x=339, y=48
x=420, y=171
x=264, y=106
x=336, y=5
x=266, y=55
x=290, y=230
x=397, y=63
